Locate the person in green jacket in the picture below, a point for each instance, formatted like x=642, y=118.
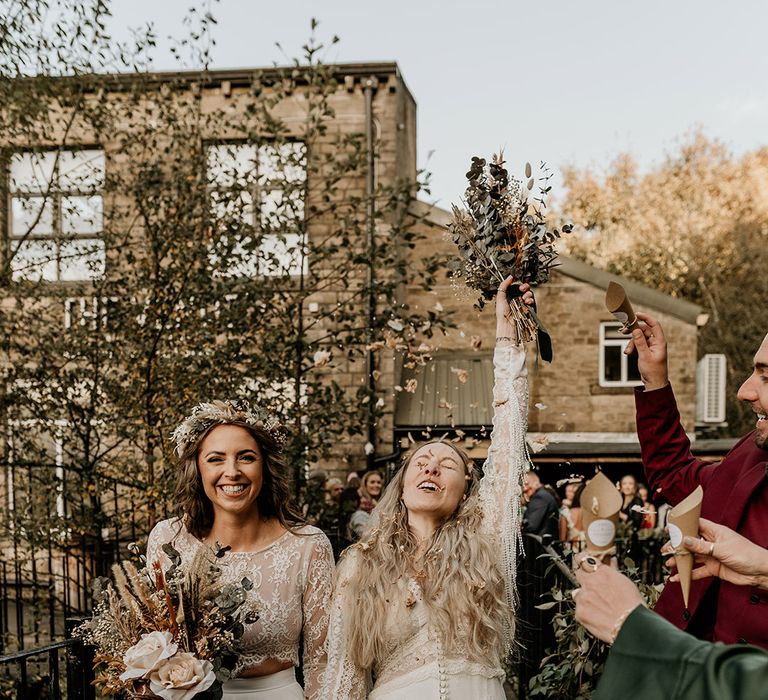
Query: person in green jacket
x=650, y=658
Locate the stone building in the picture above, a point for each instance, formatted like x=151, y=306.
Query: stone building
x=78, y=241
x=581, y=406
x=63, y=224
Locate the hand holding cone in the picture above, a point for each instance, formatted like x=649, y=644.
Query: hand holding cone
x=617, y=302
x=600, y=504
x=684, y=522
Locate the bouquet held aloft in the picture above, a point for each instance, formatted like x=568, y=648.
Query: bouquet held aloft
x=503, y=231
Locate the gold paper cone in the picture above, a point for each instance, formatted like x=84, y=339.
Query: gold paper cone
x=600, y=506
x=683, y=521
x=617, y=302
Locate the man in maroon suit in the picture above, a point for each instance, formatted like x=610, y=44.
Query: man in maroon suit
x=735, y=490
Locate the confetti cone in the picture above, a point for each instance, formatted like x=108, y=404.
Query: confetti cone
x=600, y=505
x=683, y=521
x=617, y=302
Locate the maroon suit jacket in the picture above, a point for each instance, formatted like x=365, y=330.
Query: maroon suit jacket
x=735, y=495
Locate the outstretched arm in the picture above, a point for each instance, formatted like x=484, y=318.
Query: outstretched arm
x=507, y=461
x=669, y=465
x=501, y=486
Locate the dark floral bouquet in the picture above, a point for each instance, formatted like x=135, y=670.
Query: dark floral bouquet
x=171, y=634
x=501, y=232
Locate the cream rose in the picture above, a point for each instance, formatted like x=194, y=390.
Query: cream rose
x=181, y=677
x=144, y=656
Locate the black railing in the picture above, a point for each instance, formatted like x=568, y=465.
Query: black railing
x=36, y=673
x=546, y=566
x=60, y=529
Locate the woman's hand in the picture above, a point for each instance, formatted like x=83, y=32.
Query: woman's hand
x=506, y=332
x=605, y=598
x=727, y=555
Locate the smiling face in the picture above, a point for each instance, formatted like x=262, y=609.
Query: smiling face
x=435, y=480
x=231, y=469
x=755, y=392
x=628, y=485
x=372, y=484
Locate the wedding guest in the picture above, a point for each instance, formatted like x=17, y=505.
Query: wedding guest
x=735, y=489
x=333, y=490
x=370, y=490
x=649, y=657
x=575, y=534
x=631, y=501
x=542, y=512
x=569, y=491
x=357, y=519
x=233, y=489
x=423, y=604
x=649, y=510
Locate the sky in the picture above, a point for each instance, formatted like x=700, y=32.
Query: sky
x=570, y=82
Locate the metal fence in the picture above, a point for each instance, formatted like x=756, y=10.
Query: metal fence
x=544, y=567
x=37, y=673
x=61, y=529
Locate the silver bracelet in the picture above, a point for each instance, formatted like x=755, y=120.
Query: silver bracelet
x=503, y=337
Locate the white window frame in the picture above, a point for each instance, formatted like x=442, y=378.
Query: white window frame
x=60, y=427
x=51, y=177
x=614, y=342
x=261, y=186
x=711, y=375
x=91, y=312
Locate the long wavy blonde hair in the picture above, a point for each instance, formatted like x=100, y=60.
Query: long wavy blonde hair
x=462, y=585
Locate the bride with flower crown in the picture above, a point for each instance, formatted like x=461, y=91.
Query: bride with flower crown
x=232, y=489
x=423, y=604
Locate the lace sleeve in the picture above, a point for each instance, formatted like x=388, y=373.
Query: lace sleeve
x=161, y=534
x=315, y=601
x=501, y=486
x=343, y=680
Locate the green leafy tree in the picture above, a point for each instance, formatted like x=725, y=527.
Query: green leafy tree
x=167, y=246
x=694, y=227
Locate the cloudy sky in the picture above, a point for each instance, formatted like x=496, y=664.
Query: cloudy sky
x=565, y=81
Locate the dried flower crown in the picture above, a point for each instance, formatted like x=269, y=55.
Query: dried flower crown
x=205, y=415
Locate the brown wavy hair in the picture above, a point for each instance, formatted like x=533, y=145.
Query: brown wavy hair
x=462, y=585
x=194, y=508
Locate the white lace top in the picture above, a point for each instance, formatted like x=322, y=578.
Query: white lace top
x=292, y=581
x=414, y=651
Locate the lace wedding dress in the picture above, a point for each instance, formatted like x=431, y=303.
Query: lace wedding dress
x=415, y=666
x=292, y=581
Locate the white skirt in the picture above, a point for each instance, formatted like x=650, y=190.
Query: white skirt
x=458, y=686
x=276, y=686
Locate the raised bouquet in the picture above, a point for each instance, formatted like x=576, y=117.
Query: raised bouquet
x=502, y=231
x=171, y=634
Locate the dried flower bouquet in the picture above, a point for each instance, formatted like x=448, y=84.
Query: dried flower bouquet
x=503, y=231
x=171, y=634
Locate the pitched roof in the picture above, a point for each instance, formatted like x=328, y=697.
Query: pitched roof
x=641, y=296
